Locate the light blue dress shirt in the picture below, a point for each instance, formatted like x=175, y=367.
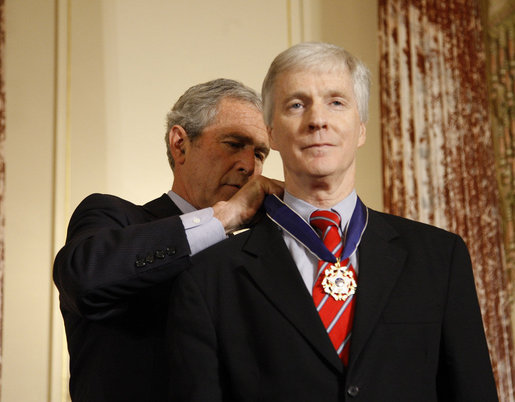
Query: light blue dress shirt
x=307, y=263
x=202, y=228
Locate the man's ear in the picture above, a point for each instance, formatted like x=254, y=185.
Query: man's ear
x=178, y=142
x=362, y=134
x=270, y=130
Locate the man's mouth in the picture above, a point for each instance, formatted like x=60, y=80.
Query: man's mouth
x=315, y=146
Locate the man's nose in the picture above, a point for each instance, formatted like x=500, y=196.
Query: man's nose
x=317, y=117
x=246, y=162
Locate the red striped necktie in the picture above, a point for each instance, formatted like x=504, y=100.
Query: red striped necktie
x=337, y=315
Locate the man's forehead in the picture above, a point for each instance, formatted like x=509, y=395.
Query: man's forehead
x=230, y=106
x=300, y=81
x=239, y=116
x=336, y=71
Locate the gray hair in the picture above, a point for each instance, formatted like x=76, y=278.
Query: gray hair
x=197, y=107
x=317, y=56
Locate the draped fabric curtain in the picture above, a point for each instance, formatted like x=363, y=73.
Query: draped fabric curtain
x=2, y=173
x=438, y=158
x=501, y=46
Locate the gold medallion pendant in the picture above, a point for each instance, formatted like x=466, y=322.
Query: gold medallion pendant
x=339, y=282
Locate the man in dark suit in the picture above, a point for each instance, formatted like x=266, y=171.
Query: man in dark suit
x=115, y=270
x=386, y=312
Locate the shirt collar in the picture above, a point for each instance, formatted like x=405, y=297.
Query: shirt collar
x=345, y=207
x=181, y=203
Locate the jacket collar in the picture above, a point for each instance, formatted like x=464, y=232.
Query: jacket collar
x=162, y=207
x=380, y=264
x=276, y=274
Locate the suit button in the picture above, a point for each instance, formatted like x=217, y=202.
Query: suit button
x=140, y=262
x=160, y=254
x=150, y=258
x=353, y=390
x=170, y=251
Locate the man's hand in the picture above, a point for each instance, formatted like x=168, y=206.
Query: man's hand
x=242, y=206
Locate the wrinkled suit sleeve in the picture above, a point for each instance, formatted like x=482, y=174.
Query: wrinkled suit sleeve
x=465, y=372
x=114, y=250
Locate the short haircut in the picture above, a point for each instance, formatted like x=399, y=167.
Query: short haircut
x=317, y=56
x=197, y=107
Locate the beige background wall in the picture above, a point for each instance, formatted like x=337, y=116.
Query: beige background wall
x=88, y=85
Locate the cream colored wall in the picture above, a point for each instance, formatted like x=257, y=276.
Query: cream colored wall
x=130, y=63
x=88, y=85
x=140, y=58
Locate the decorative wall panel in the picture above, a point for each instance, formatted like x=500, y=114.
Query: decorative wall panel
x=2, y=174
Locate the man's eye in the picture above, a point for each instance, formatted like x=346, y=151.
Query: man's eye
x=296, y=105
x=260, y=156
x=337, y=103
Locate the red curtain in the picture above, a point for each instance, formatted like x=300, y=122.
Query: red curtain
x=501, y=49
x=438, y=155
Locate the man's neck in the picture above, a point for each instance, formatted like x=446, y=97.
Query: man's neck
x=319, y=193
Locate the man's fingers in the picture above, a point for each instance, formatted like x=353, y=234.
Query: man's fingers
x=243, y=205
x=265, y=185
x=274, y=186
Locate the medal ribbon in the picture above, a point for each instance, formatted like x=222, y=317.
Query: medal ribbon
x=293, y=223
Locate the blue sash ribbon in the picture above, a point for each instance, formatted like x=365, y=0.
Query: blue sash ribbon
x=293, y=223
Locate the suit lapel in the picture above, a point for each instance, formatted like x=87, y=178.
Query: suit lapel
x=276, y=274
x=380, y=264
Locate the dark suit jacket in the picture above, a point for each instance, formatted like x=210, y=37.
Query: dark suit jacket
x=245, y=327
x=114, y=275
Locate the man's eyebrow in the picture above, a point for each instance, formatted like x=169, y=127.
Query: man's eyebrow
x=263, y=149
x=246, y=139
x=300, y=94
x=295, y=95
x=339, y=94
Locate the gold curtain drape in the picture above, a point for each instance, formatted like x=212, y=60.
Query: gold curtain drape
x=438, y=159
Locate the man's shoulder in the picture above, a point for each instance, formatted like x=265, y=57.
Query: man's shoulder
x=99, y=200
x=408, y=228
x=241, y=248
x=114, y=207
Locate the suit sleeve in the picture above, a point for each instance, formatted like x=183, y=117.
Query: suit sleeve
x=465, y=372
x=191, y=345
x=112, y=253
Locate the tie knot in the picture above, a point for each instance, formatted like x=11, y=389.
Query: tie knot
x=322, y=219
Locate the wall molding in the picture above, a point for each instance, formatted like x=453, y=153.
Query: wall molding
x=58, y=362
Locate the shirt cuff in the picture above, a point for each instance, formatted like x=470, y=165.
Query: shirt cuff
x=202, y=229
